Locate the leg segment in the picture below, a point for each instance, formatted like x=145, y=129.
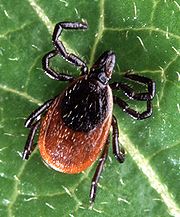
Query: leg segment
x=118, y=152
x=131, y=93
x=50, y=72
x=144, y=80
x=35, y=115
x=28, y=148
x=73, y=59
x=136, y=115
x=98, y=172
x=33, y=122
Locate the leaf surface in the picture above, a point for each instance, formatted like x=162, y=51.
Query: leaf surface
x=145, y=37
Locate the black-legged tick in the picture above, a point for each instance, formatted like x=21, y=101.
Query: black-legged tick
x=76, y=127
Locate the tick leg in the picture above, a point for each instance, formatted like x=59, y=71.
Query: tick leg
x=129, y=92
x=36, y=115
x=136, y=115
x=118, y=152
x=28, y=148
x=73, y=59
x=144, y=80
x=50, y=72
x=98, y=172
x=33, y=122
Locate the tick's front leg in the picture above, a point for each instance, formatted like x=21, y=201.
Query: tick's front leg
x=72, y=58
x=136, y=115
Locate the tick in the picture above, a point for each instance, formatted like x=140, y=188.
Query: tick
x=75, y=127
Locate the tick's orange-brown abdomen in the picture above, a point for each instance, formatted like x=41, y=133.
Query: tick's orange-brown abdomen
x=66, y=150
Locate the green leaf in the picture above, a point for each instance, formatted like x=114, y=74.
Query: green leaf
x=145, y=36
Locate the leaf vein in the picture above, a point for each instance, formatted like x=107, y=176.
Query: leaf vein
x=29, y=72
x=151, y=29
x=164, y=76
x=15, y=191
x=153, y=178
x=21, y=94
x=44, y=18
x=25, y=25
x=155, y=3
x=99, y=34
x=163, y=149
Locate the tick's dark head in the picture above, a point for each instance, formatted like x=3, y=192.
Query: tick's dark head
x=103, y=67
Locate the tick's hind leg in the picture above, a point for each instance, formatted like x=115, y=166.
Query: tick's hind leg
x=72, y=58
x=33, y=122
x=118, y=151
x=36, y=114
x=98, y=172
x=29, y=146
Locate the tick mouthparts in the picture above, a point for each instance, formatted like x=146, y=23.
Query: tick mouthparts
x=109, y=63
x=105, y=63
